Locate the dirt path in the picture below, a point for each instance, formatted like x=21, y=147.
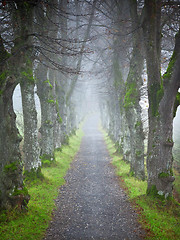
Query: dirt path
x=91, y=205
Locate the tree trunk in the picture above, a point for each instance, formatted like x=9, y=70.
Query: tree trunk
x=57, y=120
x=44, y=91
x=124, y=142
x=31, y=146
x=162, y=94
x=12, y=190
x=132, y=98
x=25, y=74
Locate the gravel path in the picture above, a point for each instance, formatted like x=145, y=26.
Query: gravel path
x=91, y=205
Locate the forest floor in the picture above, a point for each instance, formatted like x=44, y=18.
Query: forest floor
x=91, y=205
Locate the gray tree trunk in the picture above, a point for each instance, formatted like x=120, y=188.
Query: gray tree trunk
x=124, y=141
x=162, y=95
x=31, y=146
x=132, y=97
x=44, y=91
x=117, y=87
x=57, y=119
x=32, y=162
x=12, y=190
x=46, y=81
x=13, y=193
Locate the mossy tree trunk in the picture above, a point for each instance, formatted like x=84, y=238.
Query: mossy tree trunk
x=57, y=120
x=63, y=79
x=12, y=191
x=132, y=97
x=47, y=82
x=25, y=76
x=112, y=114
x=124, y=141
x=104, y=115
x=11, y=179
x=44, y=91
x=61, y=88
x=118, y=113
x=31, y=151
x=162, y=94
x=71, y=116
x=120, y=50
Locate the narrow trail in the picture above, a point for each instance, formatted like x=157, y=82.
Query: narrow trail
x=91, y=205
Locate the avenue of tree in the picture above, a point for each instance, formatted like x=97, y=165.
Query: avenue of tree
x=130, y=49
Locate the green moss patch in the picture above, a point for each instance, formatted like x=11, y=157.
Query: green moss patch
x=18, y=191
x=28, y=75
x=156, y=93
x=51, y=101
x=50, y=85
x=47, y=160
x=11, y=167
x=33, y=175
x=168, y=73
x=3, y=77
x=131, y=95
x=163, y=175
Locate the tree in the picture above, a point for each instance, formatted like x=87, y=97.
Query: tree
x=47, y=28
x=31, y=151
x=13, y=192
x=133, y=95
x=162, y=92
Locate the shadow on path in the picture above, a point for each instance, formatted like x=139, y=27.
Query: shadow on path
x=91, y=205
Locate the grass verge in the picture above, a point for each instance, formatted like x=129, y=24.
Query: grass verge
x=33, y=224
x=160, y=219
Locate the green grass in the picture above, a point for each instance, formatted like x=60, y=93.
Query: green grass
x=33, y=224
x=159, y=218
